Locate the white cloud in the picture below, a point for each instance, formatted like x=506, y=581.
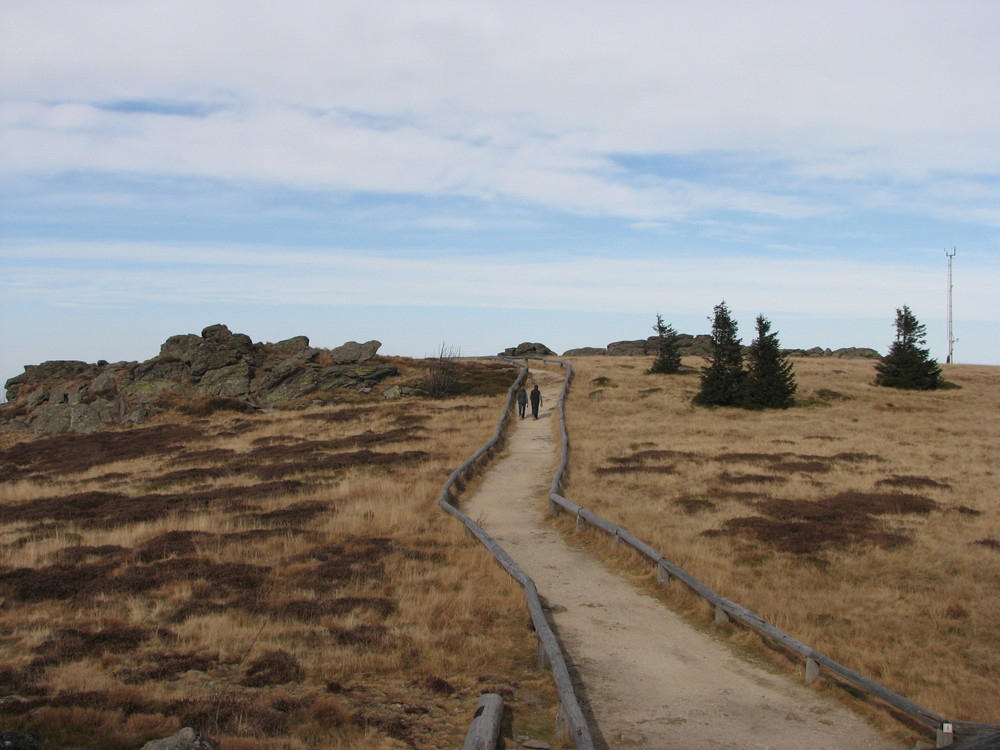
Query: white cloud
x=109, y=275
x=517, y=100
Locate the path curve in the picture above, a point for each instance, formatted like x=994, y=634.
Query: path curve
x=649, y=679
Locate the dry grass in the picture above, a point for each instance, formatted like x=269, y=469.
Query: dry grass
x=865, y=522
x=279, y=580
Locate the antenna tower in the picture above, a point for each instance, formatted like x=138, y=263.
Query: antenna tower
x=951, y=338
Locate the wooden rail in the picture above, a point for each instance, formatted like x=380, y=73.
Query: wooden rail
x=946, y=729
x=485, y=728
x=570, y=721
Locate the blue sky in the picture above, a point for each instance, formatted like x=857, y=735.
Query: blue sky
x=478, y=174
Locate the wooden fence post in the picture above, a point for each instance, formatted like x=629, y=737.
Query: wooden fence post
x=720, y=614
x=580, y=523
x=945, y=734
x=662, y=576
x=812, y=670
x=485, y=728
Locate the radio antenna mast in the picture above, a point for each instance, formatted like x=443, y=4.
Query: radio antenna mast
x=951, y=338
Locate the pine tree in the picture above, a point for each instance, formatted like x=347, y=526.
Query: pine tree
x=770, y=381
x=668, y=357
x=722, y=379
x=907, y=365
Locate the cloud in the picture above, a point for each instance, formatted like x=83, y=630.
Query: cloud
x=520, y=101
x=92, y=274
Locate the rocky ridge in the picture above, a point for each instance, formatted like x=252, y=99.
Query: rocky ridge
x=73, y=396
x=701, y=346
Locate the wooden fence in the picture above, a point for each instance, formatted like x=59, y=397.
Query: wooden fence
x=570, y=721
x=726, y=610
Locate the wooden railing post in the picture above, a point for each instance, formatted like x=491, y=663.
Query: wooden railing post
x=485, y=729
x=945, y=734
x=720, y=614
x=812, y=670
x=662, y=576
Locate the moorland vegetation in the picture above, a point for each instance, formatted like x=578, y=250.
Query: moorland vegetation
x=278, y=579
x=863, y=521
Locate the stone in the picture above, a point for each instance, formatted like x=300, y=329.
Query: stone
x=352, y=351
x=528, y=349
x=291, y=346
x=232, y=381
x=585, y=351
x=20, y=741
x=185, y=739
x=45, y=374
x=181, y=347
x=640, y=348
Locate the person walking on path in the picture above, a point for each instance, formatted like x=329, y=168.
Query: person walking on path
x=536, y=401
x=522, y=400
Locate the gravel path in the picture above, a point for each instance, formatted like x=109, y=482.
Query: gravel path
x=648, y=679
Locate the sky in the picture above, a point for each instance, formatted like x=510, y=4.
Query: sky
x=472, y=175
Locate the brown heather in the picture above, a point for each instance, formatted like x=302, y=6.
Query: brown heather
x=864, y=522
x=279, y=581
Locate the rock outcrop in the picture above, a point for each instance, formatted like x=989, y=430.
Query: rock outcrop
x=701, y=346
x=185, y=739
x=527, y=349
x=71, y=396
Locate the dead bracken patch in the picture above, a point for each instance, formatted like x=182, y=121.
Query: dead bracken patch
x=367, y=635
x=911, y=482
x=72, y=644
x=727, y=479
x=989, y=543
x=636, y=469
x=224, y=577
x=803, y=467
x=73, y=453
x=172, y=543
x=57, y=582
x=337, y=461
x=78, y=554
x=167, y=665
x=273, y=668
x=693, y=505
x=804, y=527
x=651, y=455
x=113, y=509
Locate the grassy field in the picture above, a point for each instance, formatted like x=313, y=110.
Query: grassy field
x=275, y=580
x=865, y=521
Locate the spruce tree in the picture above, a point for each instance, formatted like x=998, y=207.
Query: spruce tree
x=668, y=357
x=908, y=365
x=770, y=381
x=722, y=378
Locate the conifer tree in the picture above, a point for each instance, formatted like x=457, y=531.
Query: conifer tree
x=668, y=357
x=908, y=365
x=722, y=378
x=770, y=381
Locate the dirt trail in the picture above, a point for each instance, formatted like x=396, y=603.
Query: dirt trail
x=651, y=680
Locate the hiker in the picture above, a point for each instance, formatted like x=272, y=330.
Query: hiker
x=536, y=401
x=522, y=400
